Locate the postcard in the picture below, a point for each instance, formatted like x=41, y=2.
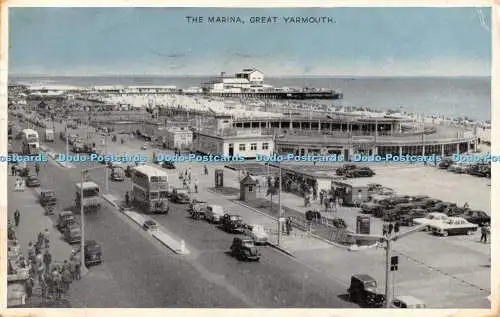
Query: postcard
x=170, y=157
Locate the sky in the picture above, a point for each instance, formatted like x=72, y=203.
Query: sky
x=160, y=41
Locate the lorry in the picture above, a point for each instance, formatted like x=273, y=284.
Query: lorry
x=91, y=198
x=49, y=135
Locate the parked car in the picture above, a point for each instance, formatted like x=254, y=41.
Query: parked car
x=64, y=219
x=32, y=181
x=180, y=196
x=149, y=225
x=214, y=213
x=258, y=234
x=454, y=226
x=92, y=253
x=233, y=223
x=347, y=167
x=431, y=219
x=442, y=206
x=407, y=218
x=360, y=172
x=431, y=202
x=73, y=233
x=244, y=249
x=445, y=163
x=370, y=207
x=406, y=301
x=168, y=165
x=47, y=197
x=477, y=217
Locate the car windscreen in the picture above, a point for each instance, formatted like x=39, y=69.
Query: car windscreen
x=93, y=248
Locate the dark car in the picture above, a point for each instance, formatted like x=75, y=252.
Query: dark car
x=363, y=290
x=347, y=167
x=48, y=198
x=168, y=165
x=73, y=233
x=370, y=208
x=244, y=249
x=360, y=172
x=180, y=196
x=233, y=223
x=149, y=225
x=442, y=206
x=481, y=170
x=477, y=217
x=64, y=219
x=407, y=218
x=93, y=253
x=445, y=163
x=32, y=181
x=431, y=202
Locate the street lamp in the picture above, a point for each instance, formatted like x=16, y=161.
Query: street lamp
x=388, y=238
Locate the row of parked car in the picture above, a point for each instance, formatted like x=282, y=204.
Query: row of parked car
x=476, y=169
x=68, y=225
x=444, y=218
x=243, y=247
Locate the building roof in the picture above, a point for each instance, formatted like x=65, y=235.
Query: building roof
x=248, y=180
x=87, y=185
x=249, y=71
x=151, y=170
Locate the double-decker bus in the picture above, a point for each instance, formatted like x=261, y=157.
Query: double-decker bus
x=31, y=142
x=150, y=189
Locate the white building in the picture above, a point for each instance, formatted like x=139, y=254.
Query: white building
x=179, y=138
x=248, y=79
x=233, y=143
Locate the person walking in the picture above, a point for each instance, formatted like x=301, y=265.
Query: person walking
x=47, y=260
x=37, y=169
x=13, y=170
x=17, y=217
x=78, y=269
x=72, y=268
x=46, y=237
x=66, y=279
x=127, y=199
x=483, y=234
x=29, y=284
x=196, y=185
x=205, y=168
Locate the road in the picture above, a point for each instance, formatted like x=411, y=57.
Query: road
x=138, y=272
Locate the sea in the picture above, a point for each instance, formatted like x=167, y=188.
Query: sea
x=450, y=97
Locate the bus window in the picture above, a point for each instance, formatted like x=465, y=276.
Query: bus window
x=163, y=194
x=153, y=195
x=91, y=192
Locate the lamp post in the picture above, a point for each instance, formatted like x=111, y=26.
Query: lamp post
x=106, y=169
x=279, y=204
x=388, y=238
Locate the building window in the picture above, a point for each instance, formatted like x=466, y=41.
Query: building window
x=250, y=188
x=253, y=146
x=265, y=146
x=242, y=147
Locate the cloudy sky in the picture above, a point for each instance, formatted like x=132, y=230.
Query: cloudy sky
x=159, y=41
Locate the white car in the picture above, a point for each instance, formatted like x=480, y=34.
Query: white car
x=214, y=213
x=407, y=301
x=431, y=219
x=258, y=234
x=454, y=226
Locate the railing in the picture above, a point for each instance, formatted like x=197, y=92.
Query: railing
x=341, y=134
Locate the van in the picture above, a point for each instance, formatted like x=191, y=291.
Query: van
x=214, y=213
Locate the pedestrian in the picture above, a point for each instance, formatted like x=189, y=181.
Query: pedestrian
x=17, y=217
x=29, y=288
x=31, y=251
x=78, y=269
x=196, y=185
x=72, y=268
x=46, y=237
x=288, y=225
x=66, y=279
x=321, y=197
x=37, y=169
x=13, y=170
x=483, y=234
x=47, y=260
x=127, y=199
x=205, y=168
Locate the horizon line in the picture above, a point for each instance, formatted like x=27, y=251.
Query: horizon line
x=267, y=76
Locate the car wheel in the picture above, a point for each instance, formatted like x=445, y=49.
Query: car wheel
x=445, y=233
